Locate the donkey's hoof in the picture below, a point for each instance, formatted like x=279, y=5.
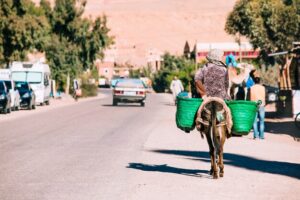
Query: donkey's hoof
x=215, y=176
x=221, y=174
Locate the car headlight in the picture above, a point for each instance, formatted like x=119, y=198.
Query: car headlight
x=26, y=95
x=2, y=96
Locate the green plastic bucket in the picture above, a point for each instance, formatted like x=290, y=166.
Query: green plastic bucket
x=186, y=112
x=243, y=115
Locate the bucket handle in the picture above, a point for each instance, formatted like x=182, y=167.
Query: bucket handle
x=258, y=103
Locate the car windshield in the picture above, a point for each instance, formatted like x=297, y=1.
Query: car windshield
x=30, y=77
x=22, y=86
x=130, y=83
x=1, y=86
x=8, y=84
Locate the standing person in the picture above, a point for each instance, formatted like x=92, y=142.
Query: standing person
x=176, y=87
x=212, y=80
x=258, y=92
x=77, y=90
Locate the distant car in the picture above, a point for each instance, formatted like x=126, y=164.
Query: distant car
x=113, y=82
x=271, y=94
x=129, y=91
x=28, y=98
x=5, y=99
x=103, y=82
x=14, y=94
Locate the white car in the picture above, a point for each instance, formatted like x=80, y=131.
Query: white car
x=129, y=91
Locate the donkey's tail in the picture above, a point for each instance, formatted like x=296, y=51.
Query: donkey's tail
x=214, y=132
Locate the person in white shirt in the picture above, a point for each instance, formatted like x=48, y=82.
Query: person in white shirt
x=176, y=87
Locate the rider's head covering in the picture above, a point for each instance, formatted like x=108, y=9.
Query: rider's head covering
x=215, y=56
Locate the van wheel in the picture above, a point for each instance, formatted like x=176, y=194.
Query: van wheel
x=41, y=104
x=30, y=106
x=33, y=106
x=143, y=104
x=115, y=102
x=47, y=103
x=17, y=108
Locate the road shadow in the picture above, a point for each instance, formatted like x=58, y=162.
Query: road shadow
x=279, y=126
x=287, y=127
x=169, y=104
x=272, y=167
x=168, y=169
x=122, y=105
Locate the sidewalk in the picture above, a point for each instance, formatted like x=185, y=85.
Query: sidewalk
x=65, y=100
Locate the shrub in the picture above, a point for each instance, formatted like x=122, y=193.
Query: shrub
x=89, y=90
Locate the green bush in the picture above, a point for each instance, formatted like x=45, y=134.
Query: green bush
x=89, y=90
x=173, y=66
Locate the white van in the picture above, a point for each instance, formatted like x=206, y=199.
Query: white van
x=37, y=75
x=5, y=76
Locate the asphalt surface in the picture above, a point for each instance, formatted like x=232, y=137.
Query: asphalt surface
x=91, y=150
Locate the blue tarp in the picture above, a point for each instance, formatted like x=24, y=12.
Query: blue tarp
x=230, y=60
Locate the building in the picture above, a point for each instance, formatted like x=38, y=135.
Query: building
x=106, y=65
x=154, y=59
x=244, y=51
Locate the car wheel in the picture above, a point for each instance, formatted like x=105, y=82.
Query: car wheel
x=42, y=104
x=33, y=106
x=143, y=104
x=9, y=109
x=115, y=102
x=47, y=103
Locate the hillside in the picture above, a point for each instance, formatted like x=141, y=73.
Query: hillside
x=141, y=26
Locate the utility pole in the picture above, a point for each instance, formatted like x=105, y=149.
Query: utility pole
x=196, y=55
x=240, y=50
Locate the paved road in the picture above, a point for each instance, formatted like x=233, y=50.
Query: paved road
x=91, y=151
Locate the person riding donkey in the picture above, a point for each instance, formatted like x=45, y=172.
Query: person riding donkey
x=214, y=117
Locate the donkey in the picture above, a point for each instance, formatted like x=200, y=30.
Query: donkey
x=214, y=121
x=238, y=81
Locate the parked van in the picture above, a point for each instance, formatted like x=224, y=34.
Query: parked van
x=37, y=75
x=5, y=76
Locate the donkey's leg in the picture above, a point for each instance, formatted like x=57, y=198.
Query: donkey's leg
x=211, y=152
x=215, y=138
x=220, y=162
x=222, y=133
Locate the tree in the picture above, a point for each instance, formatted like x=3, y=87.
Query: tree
x=77, y=41
x=271, y=25
x=23, y=28
x=173, y=66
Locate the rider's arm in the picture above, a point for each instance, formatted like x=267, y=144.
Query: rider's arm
x=199, y=76
x=200, y=88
